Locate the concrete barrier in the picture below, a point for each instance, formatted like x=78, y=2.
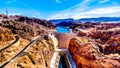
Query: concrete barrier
x=55, y=60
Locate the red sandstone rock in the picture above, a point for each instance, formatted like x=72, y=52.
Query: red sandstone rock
x=87, y=55
x=114, y=44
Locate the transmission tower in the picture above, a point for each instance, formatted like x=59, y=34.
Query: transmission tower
x=6, y=12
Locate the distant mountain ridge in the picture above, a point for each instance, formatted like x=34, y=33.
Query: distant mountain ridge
x=99, y=19
x=55, y=21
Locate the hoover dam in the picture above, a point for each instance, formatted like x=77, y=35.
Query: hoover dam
x=34, y=43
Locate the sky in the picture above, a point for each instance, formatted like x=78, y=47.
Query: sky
x=60, y=9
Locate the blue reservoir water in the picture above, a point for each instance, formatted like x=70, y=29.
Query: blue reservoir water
x=61, y=29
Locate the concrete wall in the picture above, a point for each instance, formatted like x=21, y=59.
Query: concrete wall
x=63, y=39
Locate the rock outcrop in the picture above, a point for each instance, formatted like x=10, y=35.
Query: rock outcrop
x=100, y=32
x=6, y=37
x=96, y=46
x=86, y=54
x=26, y=27
x=113, y=45
x=37, y=56
x=5, y=34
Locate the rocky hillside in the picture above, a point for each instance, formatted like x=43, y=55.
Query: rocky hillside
x=26, y=27
x=87, y=54
x=5, y=34
x=96, y=45
x=38, y=55
x=27, y=30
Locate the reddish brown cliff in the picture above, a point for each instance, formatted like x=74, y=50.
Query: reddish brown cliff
x=86, y=54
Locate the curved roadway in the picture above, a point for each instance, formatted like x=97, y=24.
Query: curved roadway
x=27, y=46
x=16, y=40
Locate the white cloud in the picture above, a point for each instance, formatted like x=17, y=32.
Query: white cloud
x=83, y=13
x=83, y=10
x=105, y=10
x=70, y=11
x=58, y=1
x=99, y=12
x=103, y=1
